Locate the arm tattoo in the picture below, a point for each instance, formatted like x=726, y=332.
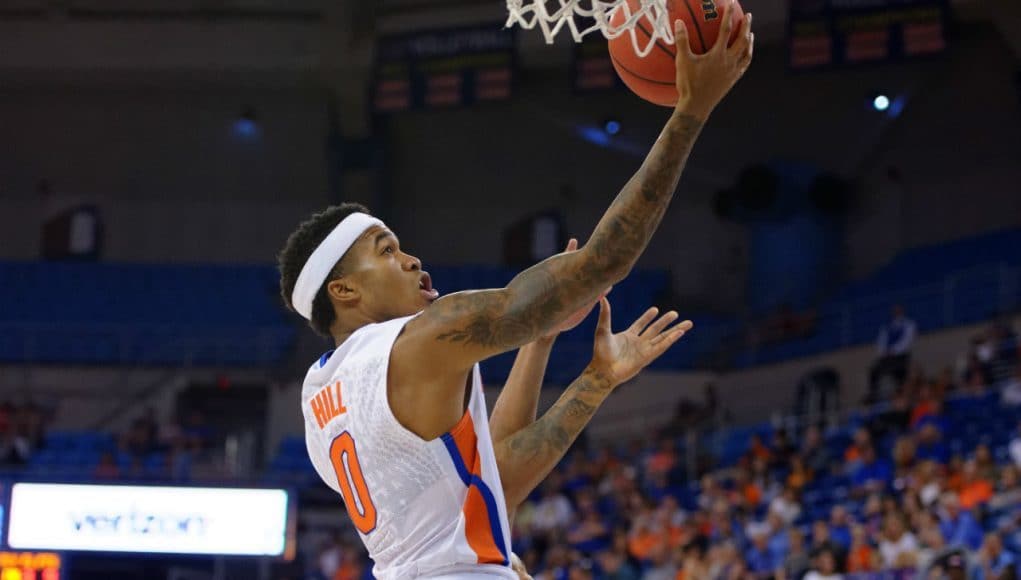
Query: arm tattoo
x=530, y=454
x=538, y=297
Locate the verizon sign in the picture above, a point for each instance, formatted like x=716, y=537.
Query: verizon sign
x=180, y=520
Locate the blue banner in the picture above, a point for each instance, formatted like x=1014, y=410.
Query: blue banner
x=825, y=33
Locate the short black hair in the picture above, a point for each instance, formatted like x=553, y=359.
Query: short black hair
x=299, y=248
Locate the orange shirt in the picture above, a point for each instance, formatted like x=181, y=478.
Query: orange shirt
x=752, y=494
x=921, y=411
x=641, y=544
x=860, y=559
x=977, y=492
x=852, y=454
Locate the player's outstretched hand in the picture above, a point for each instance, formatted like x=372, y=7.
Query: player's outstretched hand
x=619, y=357
x=703, y=80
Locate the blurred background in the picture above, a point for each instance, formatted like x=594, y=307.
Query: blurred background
x=846, y=237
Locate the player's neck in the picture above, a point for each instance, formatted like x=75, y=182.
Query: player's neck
x=344, y=327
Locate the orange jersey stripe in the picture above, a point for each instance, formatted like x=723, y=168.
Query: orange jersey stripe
x=477, y=526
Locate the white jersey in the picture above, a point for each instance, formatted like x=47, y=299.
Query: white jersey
x=424, y=509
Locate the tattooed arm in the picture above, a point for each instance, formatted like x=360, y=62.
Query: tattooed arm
x=519, y=399
x=518, y=402
x=432, y=357
x=526, y=457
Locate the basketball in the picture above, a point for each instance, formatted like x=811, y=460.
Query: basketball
x=653, y=77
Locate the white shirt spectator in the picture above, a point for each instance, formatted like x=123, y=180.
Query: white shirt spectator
x=552, y=512
x=813, y=575
x=897, y=337
x=1012, y=391
x=891, y=551
x=929, y=493
x=787, y=510
x=1015, y=451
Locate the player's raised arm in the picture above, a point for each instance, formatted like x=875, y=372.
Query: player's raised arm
x=464, y=328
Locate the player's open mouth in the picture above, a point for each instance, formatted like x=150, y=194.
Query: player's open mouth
x=425, y=286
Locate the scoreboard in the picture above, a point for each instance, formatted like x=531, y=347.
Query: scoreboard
x=824, y=33
x=443, y=68
x=30, y=566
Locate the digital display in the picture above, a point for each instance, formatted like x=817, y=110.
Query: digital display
x=592, y=68
x=30, y=566
x=180, y=520
x=826, y=33
x=444, y=68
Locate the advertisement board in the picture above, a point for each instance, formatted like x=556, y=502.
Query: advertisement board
x=173, y=520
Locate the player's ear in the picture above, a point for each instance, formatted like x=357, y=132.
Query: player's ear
x=344, y=291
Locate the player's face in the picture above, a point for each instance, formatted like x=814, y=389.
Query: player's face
x=392, y=282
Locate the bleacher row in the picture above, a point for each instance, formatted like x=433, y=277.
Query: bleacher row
x=77, y=313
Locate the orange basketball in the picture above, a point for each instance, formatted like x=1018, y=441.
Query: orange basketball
x=654, y=77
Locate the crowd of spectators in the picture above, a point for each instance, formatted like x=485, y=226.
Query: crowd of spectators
x=894, y=492
x=148, y=449
x=895, y=500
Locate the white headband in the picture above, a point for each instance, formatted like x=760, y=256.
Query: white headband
x=325, y=257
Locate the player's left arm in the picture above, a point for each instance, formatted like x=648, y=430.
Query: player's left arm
x=518, y=402
x=526, y=457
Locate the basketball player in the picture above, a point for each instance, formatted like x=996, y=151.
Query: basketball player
x=395, y=415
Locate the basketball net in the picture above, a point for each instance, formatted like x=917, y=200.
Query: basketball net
x=584, y=17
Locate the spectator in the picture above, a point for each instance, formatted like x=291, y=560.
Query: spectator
x=616, y=567
x=976, y=377
x=976, y=490
x=873, y=474
x=861, y=557
x=661, y=565
x=840, y=528
x=797, y=560
x=933, y=545
x=590, y=534
x=1015, y=447
x=1008, y=492
x=959, y=527
x=813, y=450
x=930, y=444
x=750, y=494
x=986, y=465
x=786, y=506
x=945, y=383
x=782, y=449
x=1012, y=389
x=759, y=557
x=898, y=548
x=107, y=468
x=664, y=459
x=861, y=440
x=825, y=567
x=994, y=562
x=928, y=405
x=757, y=449
x=929, y=485
x=693, y=562
x=554, y=511
x=822, y=542
x=800, y=474
x=15, y=447
x=894, y=347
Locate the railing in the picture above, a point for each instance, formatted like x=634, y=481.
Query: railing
x=963, y=297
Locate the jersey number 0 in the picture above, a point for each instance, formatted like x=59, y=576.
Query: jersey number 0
x=349, y=472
